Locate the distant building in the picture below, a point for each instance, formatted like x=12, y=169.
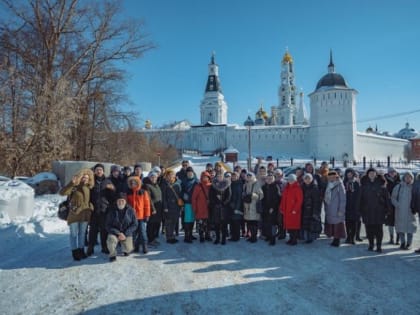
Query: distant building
x=287, y=131
x=415, y=148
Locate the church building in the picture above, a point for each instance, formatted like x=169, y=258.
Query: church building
x=287, y=131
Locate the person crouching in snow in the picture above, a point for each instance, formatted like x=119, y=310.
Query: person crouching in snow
x=81, y=210
x=200, y=205
x=139, y=199
x=121, y=224
x=335, y=208
x=252, y=193
x=291, y=208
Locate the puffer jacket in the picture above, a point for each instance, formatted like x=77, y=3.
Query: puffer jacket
x=335, y=208
x=291, y=206
x=200, y=201
x=139, y=199
x=219, y=197
x=170, y=195
x=374, y=200
x=81, y=207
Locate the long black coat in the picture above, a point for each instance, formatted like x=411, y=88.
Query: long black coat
x=415, y=199
x=353, y=194
x=271, y=200
x=235, y=202
x=170, y=199
x=390, y=184
x=374, y=200
x=219, y=198
x=311, y=208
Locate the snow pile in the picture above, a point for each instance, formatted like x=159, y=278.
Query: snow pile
x=16, y=198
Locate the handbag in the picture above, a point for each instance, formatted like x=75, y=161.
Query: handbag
x=179, y=201
x=65, y=206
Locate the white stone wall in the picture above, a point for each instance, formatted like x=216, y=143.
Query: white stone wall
x=376, y=147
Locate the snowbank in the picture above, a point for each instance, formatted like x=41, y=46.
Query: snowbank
x=16, y=199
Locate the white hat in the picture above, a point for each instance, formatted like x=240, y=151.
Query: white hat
x=291, y=178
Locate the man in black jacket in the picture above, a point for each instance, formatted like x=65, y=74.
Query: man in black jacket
x=121, y=223
x=101, y=195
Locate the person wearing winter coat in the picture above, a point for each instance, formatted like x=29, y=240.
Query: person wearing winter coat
x=251, y=196
x=405, y=220
x=80, y=212
x=172, y=204
x=311, y=209
x=138, y=198
x=392, y=180
x=187, y=191
x=270, y=205
x=352, y=188
x=101, y=196
x=281, y=183
x=200, y=205
x=236, y=207
x=374, y=206
x=121, y=224
x=415, y=201
x=219, y=197
x=117, y=180
x=291, y=208
x=335, y=208
x=155, y=219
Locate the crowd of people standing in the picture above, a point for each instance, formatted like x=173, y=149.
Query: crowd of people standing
x=128, y=210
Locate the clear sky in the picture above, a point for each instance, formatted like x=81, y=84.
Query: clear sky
x=375, y=43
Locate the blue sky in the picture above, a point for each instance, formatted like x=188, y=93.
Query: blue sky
x=375, y=43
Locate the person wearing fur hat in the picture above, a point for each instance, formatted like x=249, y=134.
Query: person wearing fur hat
x=155, y=194
x=139, y=200
x=405, y=220
x=352, y=188
x=251, y=195
x=188, y=213
x=121, y=224
x=291, y=208
x=270, y=204
x=219, y=197
x=101, y=195
x=392, y=180
x=78, y=191
x=236, y=207
x=200, y=205
x=374, y=206
x=311, y=209
x=171, y=196
x=335, y=208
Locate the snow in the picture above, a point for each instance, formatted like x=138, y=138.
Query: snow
x=38, y=275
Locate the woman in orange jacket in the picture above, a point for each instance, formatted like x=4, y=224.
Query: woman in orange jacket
x=139, y=199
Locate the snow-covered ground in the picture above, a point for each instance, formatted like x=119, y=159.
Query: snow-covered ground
x=38, y=275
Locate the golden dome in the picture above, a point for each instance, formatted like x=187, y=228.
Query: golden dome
x=287, y=58
x=262, y=113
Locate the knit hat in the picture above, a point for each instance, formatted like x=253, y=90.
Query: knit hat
x=291, y=178
x=372, y=169
x=189, y=169
x=332, y=173
x=278, y=172
x=99, y=165
x=115, y=168
x=153, y=174
x=122, y=195
x=156, y=169
x=391, y=169
x=308, y=175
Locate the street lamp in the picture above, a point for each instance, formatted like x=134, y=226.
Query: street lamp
x=249, y=123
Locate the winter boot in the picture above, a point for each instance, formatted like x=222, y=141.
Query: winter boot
x=336, y=242
x=398, y=240
x=145, y=249
x=358, y=227
x=76, y=255
x=82, y=253
x=90, y=251
x=272, y=240
x=391, y=239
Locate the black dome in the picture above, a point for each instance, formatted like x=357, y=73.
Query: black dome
x=331, y=79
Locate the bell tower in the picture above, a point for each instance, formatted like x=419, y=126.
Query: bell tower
x=213, y=107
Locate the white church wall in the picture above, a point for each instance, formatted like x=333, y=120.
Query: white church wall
x=376, y=147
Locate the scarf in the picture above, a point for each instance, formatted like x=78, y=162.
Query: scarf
x=328, y=192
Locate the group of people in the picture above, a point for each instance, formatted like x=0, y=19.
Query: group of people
x=130, y=210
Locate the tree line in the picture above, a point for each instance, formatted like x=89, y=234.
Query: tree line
x=62, y=85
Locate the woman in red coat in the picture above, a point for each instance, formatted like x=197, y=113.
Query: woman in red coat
x=291, y=208
x=200, y=205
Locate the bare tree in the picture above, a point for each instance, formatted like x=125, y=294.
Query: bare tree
x=58, y=72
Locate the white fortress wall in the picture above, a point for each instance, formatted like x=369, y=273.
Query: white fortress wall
x=377, y=147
